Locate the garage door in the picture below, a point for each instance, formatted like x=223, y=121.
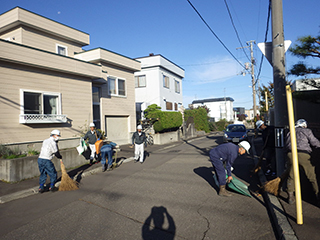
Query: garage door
x=117, y=129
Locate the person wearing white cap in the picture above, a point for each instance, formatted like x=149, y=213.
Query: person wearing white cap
x=49, y=149
x=226, y=153
x=268, y=137
x=138, y=140
x=92, y=135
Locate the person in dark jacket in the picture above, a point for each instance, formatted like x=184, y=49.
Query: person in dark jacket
x=305, y=139
x=226, y=154
x=138, y=140
x=92, y=135
x=268, y=137
x=49, y=149
x=107, y=150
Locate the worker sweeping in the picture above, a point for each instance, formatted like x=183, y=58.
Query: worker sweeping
x=138, y=140
x=268, y=137
x=305, y=139
x=49, y=149
x=226, y=154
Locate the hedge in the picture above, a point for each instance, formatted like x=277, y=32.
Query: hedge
x=167, y=120
x=200, y=118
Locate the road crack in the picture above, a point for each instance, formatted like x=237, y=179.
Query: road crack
x=207, y=220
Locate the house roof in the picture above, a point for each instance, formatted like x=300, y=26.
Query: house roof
x=162, y=57
x=97, y=55
x=21, y=17
x=222, y=99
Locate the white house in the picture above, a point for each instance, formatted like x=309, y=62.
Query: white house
x=159, y=82
x=220, y=108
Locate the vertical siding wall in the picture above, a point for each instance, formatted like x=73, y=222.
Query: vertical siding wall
x=76, y=102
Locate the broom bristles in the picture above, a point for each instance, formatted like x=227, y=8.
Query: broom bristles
x=273, y=186
x=67, y=184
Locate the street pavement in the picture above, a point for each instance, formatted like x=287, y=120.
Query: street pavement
x=170, y=196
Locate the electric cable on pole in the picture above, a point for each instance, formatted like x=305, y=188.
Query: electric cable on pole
x=253, y=82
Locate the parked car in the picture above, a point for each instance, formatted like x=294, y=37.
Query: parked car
x=235, y=133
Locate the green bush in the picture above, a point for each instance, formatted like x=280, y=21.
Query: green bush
x=200, y=118
x=166, y=120
x=151, y=109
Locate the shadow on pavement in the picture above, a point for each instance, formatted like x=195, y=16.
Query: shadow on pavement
x=206, y=174
x=159, y=225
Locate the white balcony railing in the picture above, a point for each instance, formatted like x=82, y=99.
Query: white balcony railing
x=42, y=118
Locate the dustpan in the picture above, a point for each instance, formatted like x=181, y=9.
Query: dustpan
x=239, y=187
x=236, y=185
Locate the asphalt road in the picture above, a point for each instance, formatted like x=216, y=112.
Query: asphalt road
x=170, y=196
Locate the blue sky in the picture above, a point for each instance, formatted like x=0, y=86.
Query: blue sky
x=136, y=28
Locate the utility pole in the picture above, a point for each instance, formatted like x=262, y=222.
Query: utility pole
x=279, y=81
x=225, y=103
x=253, y=79
x=254, y=93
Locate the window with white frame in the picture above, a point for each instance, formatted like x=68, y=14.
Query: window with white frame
x=117, y=86
x=34, y=102
x=177, y=86
x=165, y=81
x=61, y=50
x=140, y=81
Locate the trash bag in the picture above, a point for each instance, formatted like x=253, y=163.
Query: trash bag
x=87, y=154
x=82, y=146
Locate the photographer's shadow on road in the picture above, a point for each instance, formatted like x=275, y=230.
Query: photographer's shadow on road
x=159, y=225
x=206, y=174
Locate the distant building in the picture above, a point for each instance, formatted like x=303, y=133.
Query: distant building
x=250, y=113
x=220, y=108
x=158, y=82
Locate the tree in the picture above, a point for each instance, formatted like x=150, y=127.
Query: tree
x=269, y=88
x=306, y=47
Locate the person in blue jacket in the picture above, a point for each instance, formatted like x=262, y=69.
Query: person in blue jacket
x=226, y=154
x=107, y=150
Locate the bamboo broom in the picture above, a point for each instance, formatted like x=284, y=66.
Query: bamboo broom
x=274, y=185
x=67, y=184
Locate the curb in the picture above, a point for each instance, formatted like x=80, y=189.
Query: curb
x=280, y=223
x=34, y=190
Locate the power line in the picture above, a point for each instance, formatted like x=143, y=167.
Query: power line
x=235, y=29
x=215, y=34
x=265, y=40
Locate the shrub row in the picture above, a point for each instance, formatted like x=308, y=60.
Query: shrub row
x=166, y=120
x=200, y=118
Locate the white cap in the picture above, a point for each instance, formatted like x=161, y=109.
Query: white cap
x=139, y=127
x=259, y=123
x=55, y=132
x=301, y=123
x=92, y=125
x=245, y=145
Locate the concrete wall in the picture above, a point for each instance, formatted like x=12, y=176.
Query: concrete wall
x=164, y=138
x=13, y=170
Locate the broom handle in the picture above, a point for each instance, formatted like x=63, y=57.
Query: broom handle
x=261, y=155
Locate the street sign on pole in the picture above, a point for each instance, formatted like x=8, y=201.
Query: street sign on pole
x=266, y=49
